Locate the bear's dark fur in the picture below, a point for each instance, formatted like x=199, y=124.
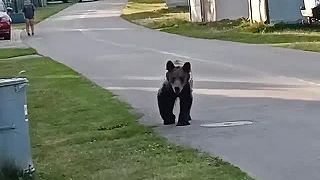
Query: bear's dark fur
x=177, y=85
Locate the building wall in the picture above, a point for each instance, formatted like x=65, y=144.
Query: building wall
x=216, y=10
x=175, y=3
x=209, y=10
x=195, y=8
x=285, y=10
x=259, y=13
x=231, y=9
x=279, y=10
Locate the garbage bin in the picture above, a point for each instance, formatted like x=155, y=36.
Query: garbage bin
x=15, y=149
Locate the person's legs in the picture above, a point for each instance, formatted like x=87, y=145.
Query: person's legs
x=28, y=26
x=32, y=26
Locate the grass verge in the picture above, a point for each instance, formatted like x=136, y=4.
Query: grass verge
x=176, y=20
x=81, y=131
x=15, y=52
x=45, y=12
x=306, y=46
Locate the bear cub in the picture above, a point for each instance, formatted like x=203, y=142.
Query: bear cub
x=176, y=85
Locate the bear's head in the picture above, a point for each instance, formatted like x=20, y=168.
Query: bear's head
x=178, y=76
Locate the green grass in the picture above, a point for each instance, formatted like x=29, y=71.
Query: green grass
x=15, y=52
x=51, y=9
x=306, y=46
x=208, y=32
x=42, y=13
x=176, y=20
x=81, y=131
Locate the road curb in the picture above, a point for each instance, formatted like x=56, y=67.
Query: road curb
x=33, y=56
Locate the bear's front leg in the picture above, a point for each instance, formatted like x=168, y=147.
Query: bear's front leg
x=185, y=106
x=166, y=99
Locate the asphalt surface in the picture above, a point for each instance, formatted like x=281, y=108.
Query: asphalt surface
x=275, y=88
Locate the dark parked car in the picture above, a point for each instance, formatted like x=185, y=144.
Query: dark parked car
x=5, y=22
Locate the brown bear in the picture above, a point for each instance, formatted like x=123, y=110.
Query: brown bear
x=178, y=84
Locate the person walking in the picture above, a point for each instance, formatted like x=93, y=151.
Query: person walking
x=28, y=10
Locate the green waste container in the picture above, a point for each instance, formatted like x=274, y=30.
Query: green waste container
x=15, y=149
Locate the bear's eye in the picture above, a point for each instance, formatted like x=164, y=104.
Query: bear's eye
x=181, y=79
x=173, y=79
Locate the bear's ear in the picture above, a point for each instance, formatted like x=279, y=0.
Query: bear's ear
x=170, y=66
x=187, y=67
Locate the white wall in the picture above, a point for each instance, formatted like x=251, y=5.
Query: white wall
x=231, y=9
x=209, y=10
x=259, y=13
x=216, y=10
x=175, y=3
x=195, y=8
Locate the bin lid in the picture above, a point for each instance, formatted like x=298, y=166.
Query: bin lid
x=12, y=81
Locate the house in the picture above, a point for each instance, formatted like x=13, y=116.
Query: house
x=216, y=10
x=275, y=11
x=269, y=11
x=231, y=9
x=177, y=3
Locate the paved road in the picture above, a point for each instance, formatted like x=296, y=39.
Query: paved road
x=275, y=88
